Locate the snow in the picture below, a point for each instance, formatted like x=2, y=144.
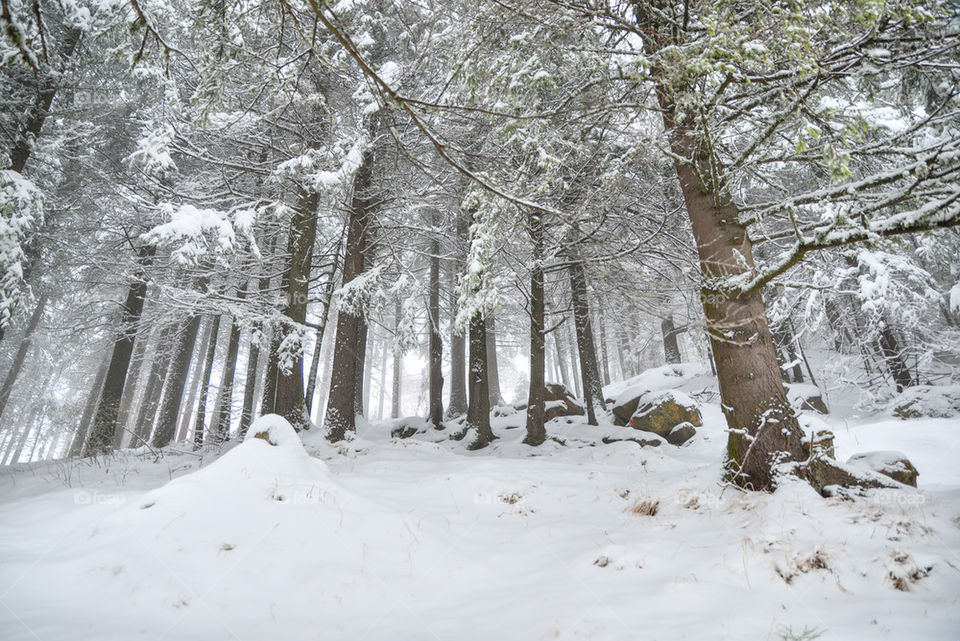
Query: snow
x=688, y=377
x=385, y=539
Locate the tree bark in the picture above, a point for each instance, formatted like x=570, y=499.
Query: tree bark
x=131, y=386
x=493, y=369
x=397, y=370
x=536, y=431
x=211, y=352
x=435, y=415
x=458, y=380
x=105, y=420
x=589, y=373
x=763, y=430
x=176, y=380
x=80, y=437
x=290, y=402
x=340, y=416
x=225, y=400
x=671, y=347
x=21, y=355
x=478, y=411
x=318, y=344
x=143, y=427
x=893, y=358
x=187, y=411
x=602, y=340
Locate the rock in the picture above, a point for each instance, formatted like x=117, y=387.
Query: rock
x=807, y=397
x=935, y=401
x=639, y=441
x=624, y=411
x=558, y=401
x=826, y=474
x=660, y=412
x=680, y=434
x=405, y=429
x=821, y=441
x=275, y=430
x=893, y=465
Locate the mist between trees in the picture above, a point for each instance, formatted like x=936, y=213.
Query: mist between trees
x=214, y=210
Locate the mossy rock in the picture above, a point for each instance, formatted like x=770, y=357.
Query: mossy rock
x=661, y=412
x=893, y=465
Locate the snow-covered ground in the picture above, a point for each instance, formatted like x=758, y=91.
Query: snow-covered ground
x=384, y=539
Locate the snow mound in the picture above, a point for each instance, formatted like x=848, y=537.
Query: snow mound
x=659, y=378
x=275, y=430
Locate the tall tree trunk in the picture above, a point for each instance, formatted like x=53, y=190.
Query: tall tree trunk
x=105, y=420
x=290, y=402
x=341, y=402
x=318, y=343
x=21, y=355
x=536, y=431
x=602, y=339
x=458, y=343
x=435, y=416
x=589, y=373
x=131, y=386
x=176, y=380
x=478, y=411
x=80, y=437
x=360, y=371
x=493, y=369
x=384, y=354
x=225, y=400
x=395, y=404
x=204, y=380
x=671, y=346
x=146, y=415
x=570, y=342
x=763, y=430
x=187, y=412
x=561, y=359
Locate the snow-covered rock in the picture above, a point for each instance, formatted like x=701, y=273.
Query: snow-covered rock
x=661, y=412
x=889, y=463
x=935, y=401
x=804, y=396
x=275, y=430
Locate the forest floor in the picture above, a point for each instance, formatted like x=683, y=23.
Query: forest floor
x=394, y=540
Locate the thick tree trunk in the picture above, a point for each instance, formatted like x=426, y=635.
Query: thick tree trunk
x=176, y=380
x=763, y=430
x=478, y=411
x=589, y=373
x=893, y=358
x=105, y=420
x=340, y=416
x=199, y=422
x=21, y=355
x=80, y=437
x=536, y=432
x=493, y=369
x=671, y=347
x=435, y=415
x=290, y=402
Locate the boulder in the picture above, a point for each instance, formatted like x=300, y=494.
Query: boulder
x=935, y=401
x=558, y=401
x=661, y=412
x=820, y=441
x=893, y=465
x=680, y=434
x=623, y=412
x=807, y=397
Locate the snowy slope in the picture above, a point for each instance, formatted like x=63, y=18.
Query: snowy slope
x=380, y=539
